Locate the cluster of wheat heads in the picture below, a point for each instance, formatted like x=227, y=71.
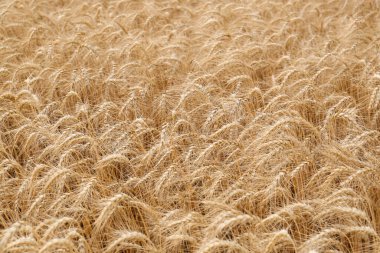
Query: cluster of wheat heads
x=189, y=126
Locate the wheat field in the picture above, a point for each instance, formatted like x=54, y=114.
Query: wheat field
x=189, y=126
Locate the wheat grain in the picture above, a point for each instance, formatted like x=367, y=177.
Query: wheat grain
x=189, y=126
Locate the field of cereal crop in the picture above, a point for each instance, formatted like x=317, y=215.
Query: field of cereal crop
x=189, y=126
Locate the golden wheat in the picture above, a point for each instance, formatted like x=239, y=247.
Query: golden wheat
x=189, y=126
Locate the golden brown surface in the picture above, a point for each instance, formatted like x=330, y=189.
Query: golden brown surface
x=189, y=126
